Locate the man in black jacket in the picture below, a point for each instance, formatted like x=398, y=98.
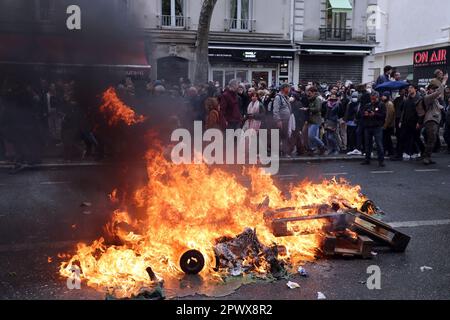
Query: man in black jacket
x=374, y=116
x=409, y=127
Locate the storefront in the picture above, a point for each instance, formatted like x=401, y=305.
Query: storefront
x=328, y=64
x=60, y=57
x=427, y=61
x=270, y=65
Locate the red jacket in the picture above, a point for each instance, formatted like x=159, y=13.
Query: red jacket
x=229, y=104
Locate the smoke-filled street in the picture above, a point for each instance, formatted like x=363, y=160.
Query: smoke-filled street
x=45, y=213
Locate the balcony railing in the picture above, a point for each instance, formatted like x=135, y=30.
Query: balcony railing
x=240, y=25
x=174, y=22
x=330, y=34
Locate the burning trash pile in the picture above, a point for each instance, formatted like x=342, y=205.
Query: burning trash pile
x=204, y=220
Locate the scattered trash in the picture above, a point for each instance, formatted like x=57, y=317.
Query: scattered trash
x=362, y=282
x=87, y=213
x=425, y=268
x=321, y=296
x=236, y=272
x=86, y=204
x=12, y=274
x=302, y=272
x=293, y=285
x=231, y=253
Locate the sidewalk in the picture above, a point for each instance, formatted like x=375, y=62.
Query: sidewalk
x=53, y=163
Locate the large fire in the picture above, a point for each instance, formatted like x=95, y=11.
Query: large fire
x=190, y=207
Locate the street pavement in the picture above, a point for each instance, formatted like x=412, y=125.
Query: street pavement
x=41, y=215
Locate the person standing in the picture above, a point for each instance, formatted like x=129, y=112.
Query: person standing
x=229, y=103
x=389, y=124
x=315, y=121
x=398, y=105
x=447, y=126
x=385, y=77
x=342, y=125
x=408, y=126
x=282, y=111
x=352, y=125
x=374, y=116
x=331, y=124
x=430, y=115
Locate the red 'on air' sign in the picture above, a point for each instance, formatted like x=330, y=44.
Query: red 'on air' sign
x=430, y=57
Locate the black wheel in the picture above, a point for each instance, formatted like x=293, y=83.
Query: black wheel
x=192, y=262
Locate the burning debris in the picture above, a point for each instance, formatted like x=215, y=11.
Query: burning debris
x=246, y=254
x=347, y=232
x=202, y=220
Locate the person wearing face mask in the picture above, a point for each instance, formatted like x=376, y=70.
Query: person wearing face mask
x=352, y=125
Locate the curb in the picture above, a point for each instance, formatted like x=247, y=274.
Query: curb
x=320, y=159
x=56, y=165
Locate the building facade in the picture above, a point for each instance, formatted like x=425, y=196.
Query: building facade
x=262, y=40
x=35, y=40
x=274, y=41
x=336, y=39
x=415, y=43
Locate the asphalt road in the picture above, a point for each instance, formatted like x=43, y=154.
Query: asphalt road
x=41, y=216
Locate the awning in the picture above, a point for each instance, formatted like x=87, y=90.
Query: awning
x=340, y=6
x=72, y=51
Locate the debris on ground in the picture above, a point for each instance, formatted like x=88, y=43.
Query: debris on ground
x=425, y=268
x=293, y=285
x=321, y=296
x=349, y=232
x=302, y=271
x=86, y=204
x=245, y=253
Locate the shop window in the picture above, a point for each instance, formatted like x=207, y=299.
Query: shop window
x=171, y=69
x=218, y=77
x=173, y=13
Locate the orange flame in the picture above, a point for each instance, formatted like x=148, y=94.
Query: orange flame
x=117, y=110
x=190, y=207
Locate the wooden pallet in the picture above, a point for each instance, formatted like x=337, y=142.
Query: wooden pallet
x=339, y=246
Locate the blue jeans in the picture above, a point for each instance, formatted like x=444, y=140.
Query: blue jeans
x=332, y=141
x=313, y=134
x=369, y=134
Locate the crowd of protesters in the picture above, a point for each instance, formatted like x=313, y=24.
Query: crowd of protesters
x=342, y=118
x=314, y=119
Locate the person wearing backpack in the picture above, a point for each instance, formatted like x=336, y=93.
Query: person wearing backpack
x=429, y=111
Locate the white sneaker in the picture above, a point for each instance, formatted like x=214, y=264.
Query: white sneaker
x=355, y=152
x=415, y=156
x=406, y=156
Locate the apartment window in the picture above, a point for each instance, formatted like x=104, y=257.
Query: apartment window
x=44, y=9
x=240, y=15
x=173, y=13
x=336, y=20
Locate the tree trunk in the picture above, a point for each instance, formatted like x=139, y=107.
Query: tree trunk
x=201, y=55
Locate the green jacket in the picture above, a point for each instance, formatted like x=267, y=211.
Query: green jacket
x=315, y=109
